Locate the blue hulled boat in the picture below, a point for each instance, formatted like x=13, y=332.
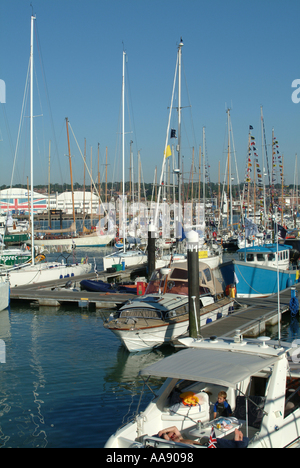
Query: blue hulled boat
x=255, y=272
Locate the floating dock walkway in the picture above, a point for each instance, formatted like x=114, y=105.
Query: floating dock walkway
x=56, y=293
x=251, y=319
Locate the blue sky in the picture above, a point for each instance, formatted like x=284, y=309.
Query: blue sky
x=236, y=53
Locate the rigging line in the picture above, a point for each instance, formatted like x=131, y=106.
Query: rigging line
x=26, y=89
x=88, y=170
x=235, y=160
x=117, y=150
x=190, y=105
x=165, y=147
x=46, y=91
x=129, y=101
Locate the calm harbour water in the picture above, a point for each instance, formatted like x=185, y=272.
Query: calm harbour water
x=67, y=382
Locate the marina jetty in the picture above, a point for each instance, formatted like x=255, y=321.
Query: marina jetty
x=251, y=318
x=67, y=290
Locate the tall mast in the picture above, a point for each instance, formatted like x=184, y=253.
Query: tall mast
x=228, y=169
x=71, y=173
x=84, y=181
x=31, y=137
x=49, y=174
x=204, y=187
x=106, y=177
x=91, y=187
x=99, y=183
x=282, y=199
x=263, y=164
x=179, y=125
x=123, y=151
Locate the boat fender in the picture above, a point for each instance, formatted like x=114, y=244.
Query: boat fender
x=294, y=306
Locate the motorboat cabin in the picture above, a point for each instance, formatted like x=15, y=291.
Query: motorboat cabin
x=266, y=255
x=261, y=380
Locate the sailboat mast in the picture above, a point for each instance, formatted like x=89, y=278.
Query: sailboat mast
x=123, y=151
x=31, y=136
x=263, y=165
x=179, y=125
x=71, y=173
x=228, y=168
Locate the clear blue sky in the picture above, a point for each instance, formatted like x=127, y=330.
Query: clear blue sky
x=236, y=53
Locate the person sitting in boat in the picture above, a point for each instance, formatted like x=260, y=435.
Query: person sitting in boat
x=222, y=407
x=173, y=434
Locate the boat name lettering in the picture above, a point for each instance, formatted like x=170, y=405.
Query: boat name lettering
x=4, y=258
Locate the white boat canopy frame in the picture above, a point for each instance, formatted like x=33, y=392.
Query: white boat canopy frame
x=226, y=368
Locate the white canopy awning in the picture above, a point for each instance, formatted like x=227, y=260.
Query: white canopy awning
x=220, y=367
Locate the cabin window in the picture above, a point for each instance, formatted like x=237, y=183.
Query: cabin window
x=260, y=257
x=207, y=274
x=242, y=257
x=178, y=273
x=292, y=395
x=250, y=257
x=271, y=257
x=178, y=287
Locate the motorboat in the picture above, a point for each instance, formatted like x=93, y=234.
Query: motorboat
x=162, y=314
x=261, y=381
x=255, y=273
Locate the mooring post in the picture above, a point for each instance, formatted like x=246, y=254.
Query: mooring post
x=193, y=281
x=151, y=249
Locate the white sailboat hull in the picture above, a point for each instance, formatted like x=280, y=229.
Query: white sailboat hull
x=39, y=273
x=212, y=261
x=82, y=241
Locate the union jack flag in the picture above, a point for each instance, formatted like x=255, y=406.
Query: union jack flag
x=21, y=204
x=212, y=443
